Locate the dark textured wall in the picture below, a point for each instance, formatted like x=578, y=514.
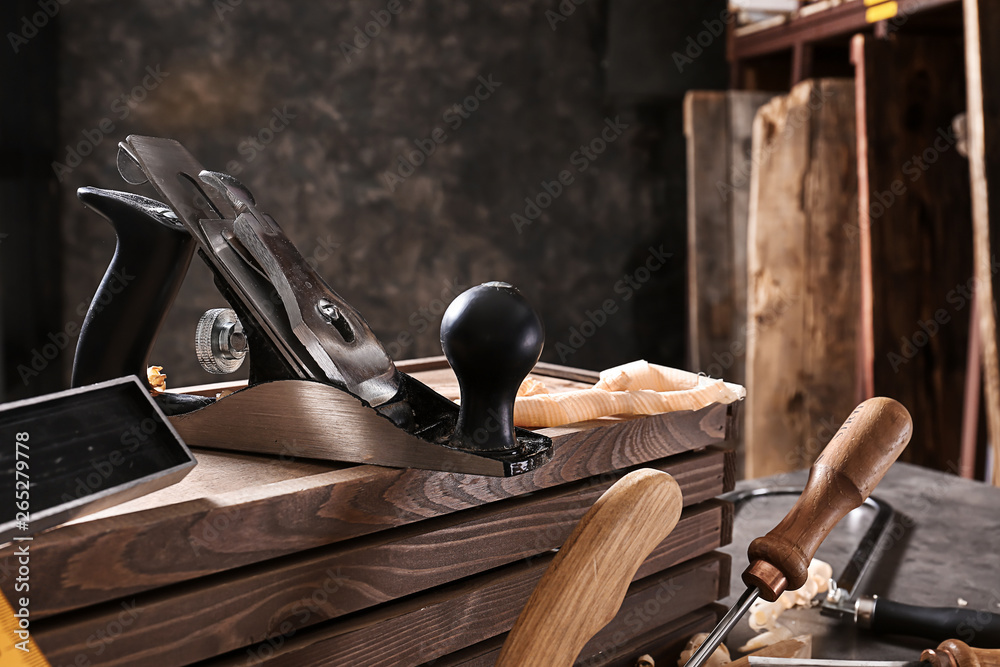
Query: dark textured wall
x=220, y=77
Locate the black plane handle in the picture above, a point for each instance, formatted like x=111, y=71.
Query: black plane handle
x=151, y=259
x=976, y=628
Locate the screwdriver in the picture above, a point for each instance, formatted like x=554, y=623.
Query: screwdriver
x=850, y=467
x=949, y=653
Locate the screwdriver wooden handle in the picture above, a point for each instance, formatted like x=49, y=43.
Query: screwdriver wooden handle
x=955, y=653
x=842, y=478
x=584, y=586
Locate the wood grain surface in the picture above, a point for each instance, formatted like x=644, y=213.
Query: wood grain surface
x=585, y=584
x=224, y=612
x=718, y=128
x=188, y=532
x=414, y=631
x=915, y=193
x=803, y=295
x=664, y=642
x=982, y=69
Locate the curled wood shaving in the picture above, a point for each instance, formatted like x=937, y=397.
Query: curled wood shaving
x=531, y=387
x=157, y=379
x=780, y=633
x=764, y=615
x=645, y=660
x=717, y=659
x=636, y=388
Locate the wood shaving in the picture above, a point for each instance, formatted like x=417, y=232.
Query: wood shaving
x=157, y=379
x=763, y=616
x=645, y=661
x=717, y=659
x=636, y=388
x=780, y=633
x=531, y=387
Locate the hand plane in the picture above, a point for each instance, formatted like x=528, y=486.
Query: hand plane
x=321, y=385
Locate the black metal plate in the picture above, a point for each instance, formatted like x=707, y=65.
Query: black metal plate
x=87, y=449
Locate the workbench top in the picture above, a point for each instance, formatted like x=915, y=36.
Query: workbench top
x=947, y=547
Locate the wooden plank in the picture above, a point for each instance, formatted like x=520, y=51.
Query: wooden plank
x=982, y=64
x=718, y=127
x=429, y=627
x=919, y=220
x=122, y=554
x=804, y=287
x=664, y=643
x=711, y=299
x=225, y=612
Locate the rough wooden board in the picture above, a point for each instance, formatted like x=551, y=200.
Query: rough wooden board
x=804, y=283
x=422, y=629
x=711, y=300
x=224, y=612
x=718, y=126
x=982, y=65
x=917, y=189
x=120, y=555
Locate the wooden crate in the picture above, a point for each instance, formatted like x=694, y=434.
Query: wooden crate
x=292, y=561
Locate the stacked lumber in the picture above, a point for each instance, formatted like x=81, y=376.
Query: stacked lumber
x=282, y=560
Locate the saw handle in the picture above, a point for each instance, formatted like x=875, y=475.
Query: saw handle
x=955, y=653
x=935, y=623
x=841, y=479
x=585, y=585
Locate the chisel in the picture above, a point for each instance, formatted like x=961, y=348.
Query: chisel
x=843, y=476
x=949, y=653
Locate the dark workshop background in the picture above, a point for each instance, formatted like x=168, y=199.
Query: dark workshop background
x=217, y=76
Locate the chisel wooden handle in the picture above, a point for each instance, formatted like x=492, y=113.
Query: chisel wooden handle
x=842, y=478
x=955, y=653
x=584, y=586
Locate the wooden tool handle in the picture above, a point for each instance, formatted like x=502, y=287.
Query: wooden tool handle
x=955, y=653
x=585, y=585
x=843, y=476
